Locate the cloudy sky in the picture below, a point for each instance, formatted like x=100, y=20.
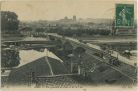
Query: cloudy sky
x=56, y=9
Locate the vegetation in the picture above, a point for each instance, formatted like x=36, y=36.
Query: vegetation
x=80, y=32
x=78, y=29
x=10, y=58
x=67, y=48
x=40, y=30
x=79, y=50
x=9, y=21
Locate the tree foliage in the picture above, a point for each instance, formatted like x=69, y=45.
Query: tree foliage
x=9, y=21
x=26, y=29
x=10, y=58
x=40, y=30
x=67, y=47
x=79, y=50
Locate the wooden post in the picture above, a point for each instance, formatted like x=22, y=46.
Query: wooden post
x=29, y=79
x=71, y=65
x=79, y=69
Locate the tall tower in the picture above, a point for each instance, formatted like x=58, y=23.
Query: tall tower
x=74, y=18
x=65, y=18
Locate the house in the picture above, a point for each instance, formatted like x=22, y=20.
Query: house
x=36, y=63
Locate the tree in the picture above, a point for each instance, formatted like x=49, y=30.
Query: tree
x=79, y=50
x=67, y=47
x=58, y=44
x=51, y=38
x=10, y=58
x=26, y=30
x=9, y=21
x=40, y=30
x=113, y=28
x=84, y=65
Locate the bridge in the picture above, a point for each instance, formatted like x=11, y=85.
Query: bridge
x=95, y=48
x=30, y=43
x=21, y=42
x=127, y=68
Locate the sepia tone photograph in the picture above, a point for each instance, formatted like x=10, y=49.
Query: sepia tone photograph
x=75, y=44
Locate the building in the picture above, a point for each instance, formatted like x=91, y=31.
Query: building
x=38, y=65
x=74, y=18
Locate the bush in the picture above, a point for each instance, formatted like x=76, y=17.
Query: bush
x=10, y=58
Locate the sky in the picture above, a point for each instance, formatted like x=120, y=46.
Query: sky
x=32, y=10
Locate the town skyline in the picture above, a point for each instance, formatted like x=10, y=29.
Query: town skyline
x=55, y=9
